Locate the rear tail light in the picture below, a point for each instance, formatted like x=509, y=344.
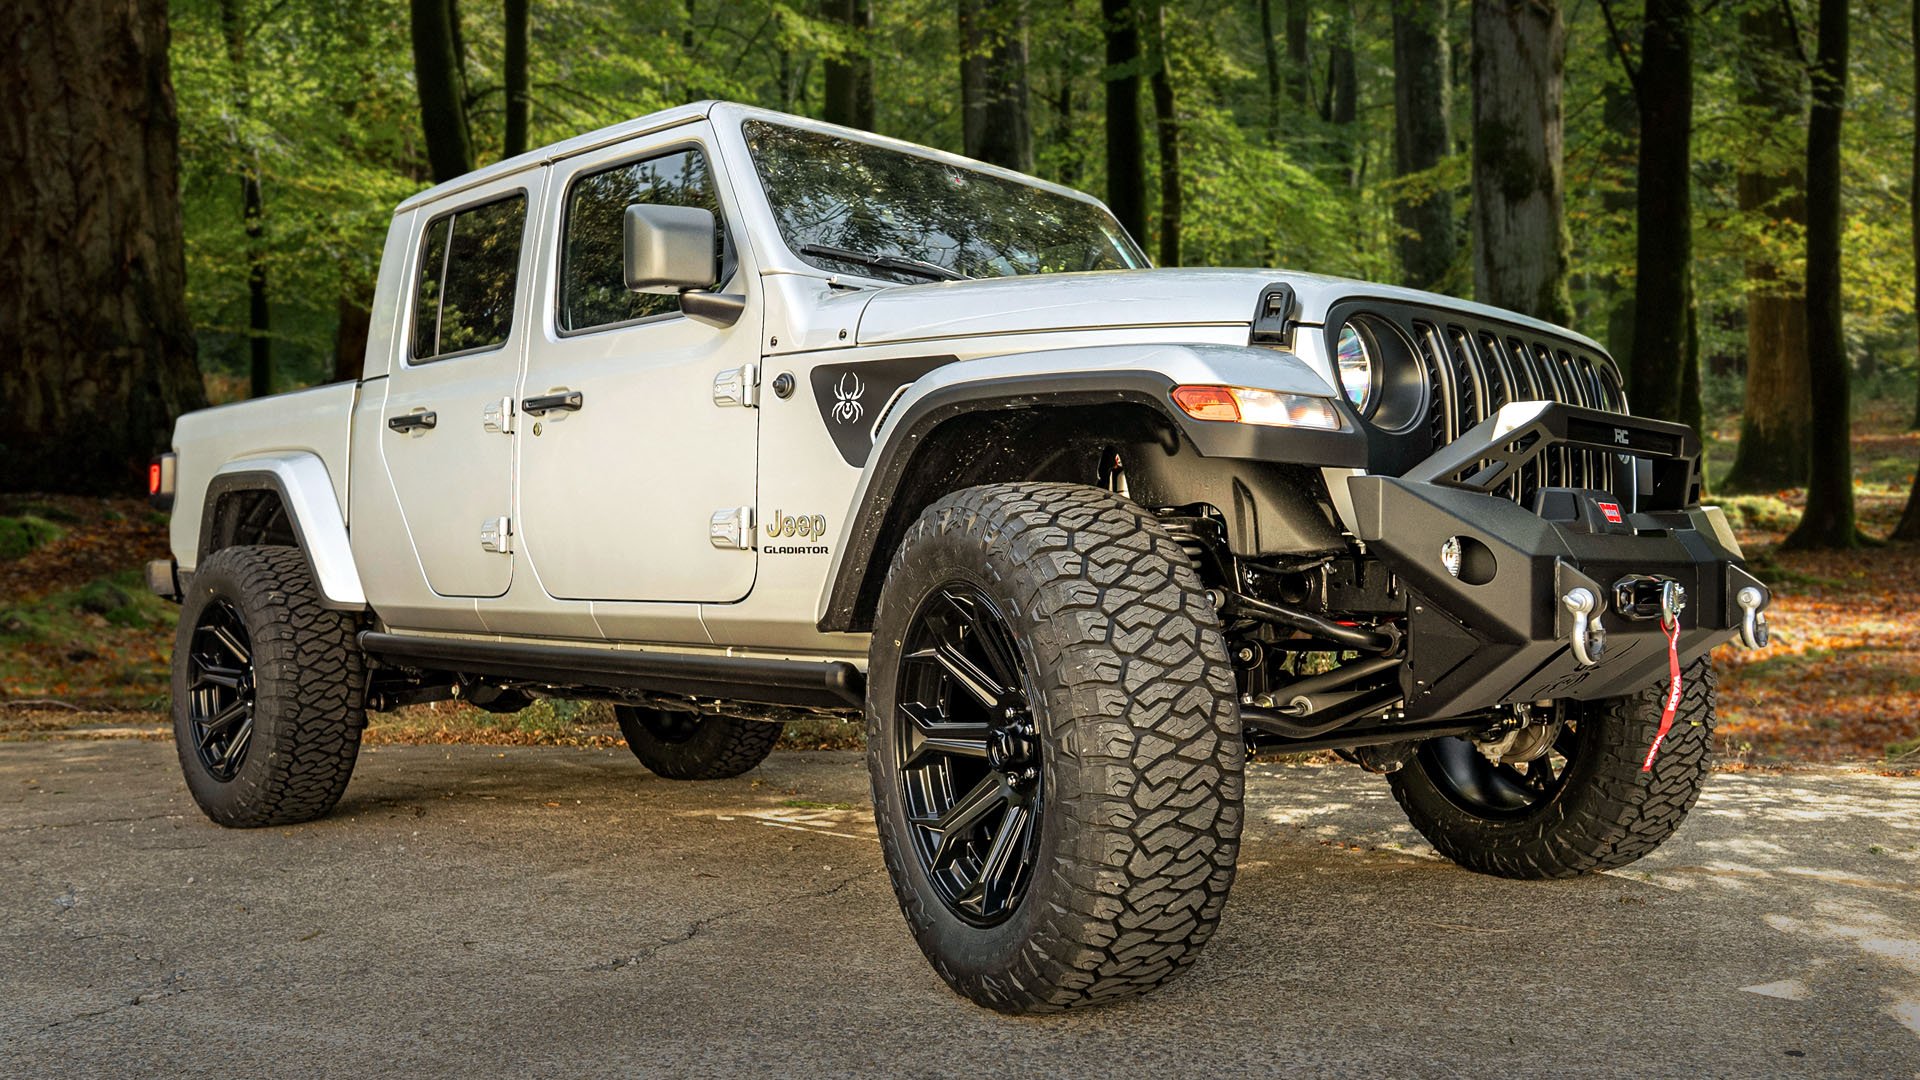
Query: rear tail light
x=160, y=480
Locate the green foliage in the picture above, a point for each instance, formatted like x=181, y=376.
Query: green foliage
x=21, y=534
x=328, y=115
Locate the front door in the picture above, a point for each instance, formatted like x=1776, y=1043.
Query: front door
x=620, y=486
x=447, y=443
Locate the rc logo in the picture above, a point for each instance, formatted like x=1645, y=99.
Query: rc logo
x=1622, y=436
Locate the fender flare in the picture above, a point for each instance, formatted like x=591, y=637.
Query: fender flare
x=305, y=489
x=1092, y=375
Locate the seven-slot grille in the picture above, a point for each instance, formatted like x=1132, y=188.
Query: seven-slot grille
x=1473, y=368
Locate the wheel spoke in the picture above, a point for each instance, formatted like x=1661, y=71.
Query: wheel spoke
x=1002, y=863
x=932, y=734
x=212, y=726
x=964, y=672
x=953, y=826
x=212, y=675
x=235, y=647
x=239, y=744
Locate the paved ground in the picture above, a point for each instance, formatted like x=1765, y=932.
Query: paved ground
x=474, y=912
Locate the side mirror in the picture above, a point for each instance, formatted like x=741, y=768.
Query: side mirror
x=669, y=249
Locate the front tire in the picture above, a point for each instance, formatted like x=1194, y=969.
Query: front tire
x=1584, y=807
x=1054, y=745
x=689, y=746
x=269, y=690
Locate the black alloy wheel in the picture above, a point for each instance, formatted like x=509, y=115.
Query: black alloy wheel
x=967, y=755
x=1500, y=790
x=220, y=686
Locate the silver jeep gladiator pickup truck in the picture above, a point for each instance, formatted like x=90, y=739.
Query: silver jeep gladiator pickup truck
x=728, y=417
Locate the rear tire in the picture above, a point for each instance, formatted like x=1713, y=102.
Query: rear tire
x=689, y=746
x=1055, y=747
x=1602, y=814
x=269, y=690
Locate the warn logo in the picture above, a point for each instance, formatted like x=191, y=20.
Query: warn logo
x=1611, y=511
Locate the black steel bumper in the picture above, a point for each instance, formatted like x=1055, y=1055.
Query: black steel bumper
x=1499, y=630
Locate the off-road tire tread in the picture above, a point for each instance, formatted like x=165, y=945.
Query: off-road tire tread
x=1609, y=815
x=310, y=680
x=723, y=748
x=1144, y=761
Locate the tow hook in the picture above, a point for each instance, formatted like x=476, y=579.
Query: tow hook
x=1753, y=621
x=1589, y=637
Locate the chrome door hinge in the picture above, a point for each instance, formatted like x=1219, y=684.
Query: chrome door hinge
x=497, y=416
x=496, y=535
x=732, y=529
x=738, y=386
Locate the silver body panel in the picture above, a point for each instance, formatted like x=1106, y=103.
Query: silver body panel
x=610, y=510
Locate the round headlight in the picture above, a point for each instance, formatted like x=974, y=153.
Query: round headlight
x=1355, y=361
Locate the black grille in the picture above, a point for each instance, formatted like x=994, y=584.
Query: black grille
x=1474, y=368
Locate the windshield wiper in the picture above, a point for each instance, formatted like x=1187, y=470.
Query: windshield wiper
x=900, y=263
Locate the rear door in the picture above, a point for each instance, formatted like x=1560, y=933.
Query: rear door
x=619, y=489
x=447, y=443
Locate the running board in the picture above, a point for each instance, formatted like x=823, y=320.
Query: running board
x=832, y=684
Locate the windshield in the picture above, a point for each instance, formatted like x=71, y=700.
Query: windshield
x=853, y=207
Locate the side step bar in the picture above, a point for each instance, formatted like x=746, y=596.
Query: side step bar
x=832, y=684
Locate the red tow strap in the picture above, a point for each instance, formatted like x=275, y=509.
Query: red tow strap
x=1673, y=692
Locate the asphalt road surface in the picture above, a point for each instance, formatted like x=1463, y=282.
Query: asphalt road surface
x=476, y=911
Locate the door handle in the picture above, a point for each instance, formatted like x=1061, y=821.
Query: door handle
x=563, y=401
x=423, y=421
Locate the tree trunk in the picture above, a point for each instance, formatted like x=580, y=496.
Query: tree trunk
x=993, y=83
x=1520, y=242
x=252, y=207
x=1422, y=138
x=443, y=103
x=1828, y=520
x=1772, y=453
x=1299, y=70
x=1621, y=118
x=849, y=73
x=1063, y=130
x=1343, y=93
x=1167, y=132
x=1126, y=149
x=1914, y=208
x=1270, y=47
x=1663, y=290
x=1909, y=527
x=96, y=355
x=518, y=105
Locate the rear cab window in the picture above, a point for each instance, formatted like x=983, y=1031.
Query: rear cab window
x=467, y=279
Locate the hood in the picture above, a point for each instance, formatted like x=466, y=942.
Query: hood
x=1105, y=299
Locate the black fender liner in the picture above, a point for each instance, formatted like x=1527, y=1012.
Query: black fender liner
x=892, y=462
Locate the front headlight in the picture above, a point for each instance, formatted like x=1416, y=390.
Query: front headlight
x=1355, y=361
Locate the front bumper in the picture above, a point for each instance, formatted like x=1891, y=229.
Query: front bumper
x=1498, y=631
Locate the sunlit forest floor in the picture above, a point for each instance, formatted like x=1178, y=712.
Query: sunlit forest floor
x=84, y=648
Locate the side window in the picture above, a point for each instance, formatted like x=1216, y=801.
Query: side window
x=593, y=289
x=469, y=265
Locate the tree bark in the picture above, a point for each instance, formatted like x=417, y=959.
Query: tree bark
x=252, y=207
x=519, y=106
x=1423, y=137
x=849, y=73
x=1828, y=521
x=443, y=102
x=1299, y=70
x=354, y=323
x=1167, y=132
x=1270, y=48
x=96, y=354
x=1772, y=453
x=1621, y=118
x=1520, y=242
x=1343, y=93
x=1663, y=290
x=995, y=120
x=1126, y=147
